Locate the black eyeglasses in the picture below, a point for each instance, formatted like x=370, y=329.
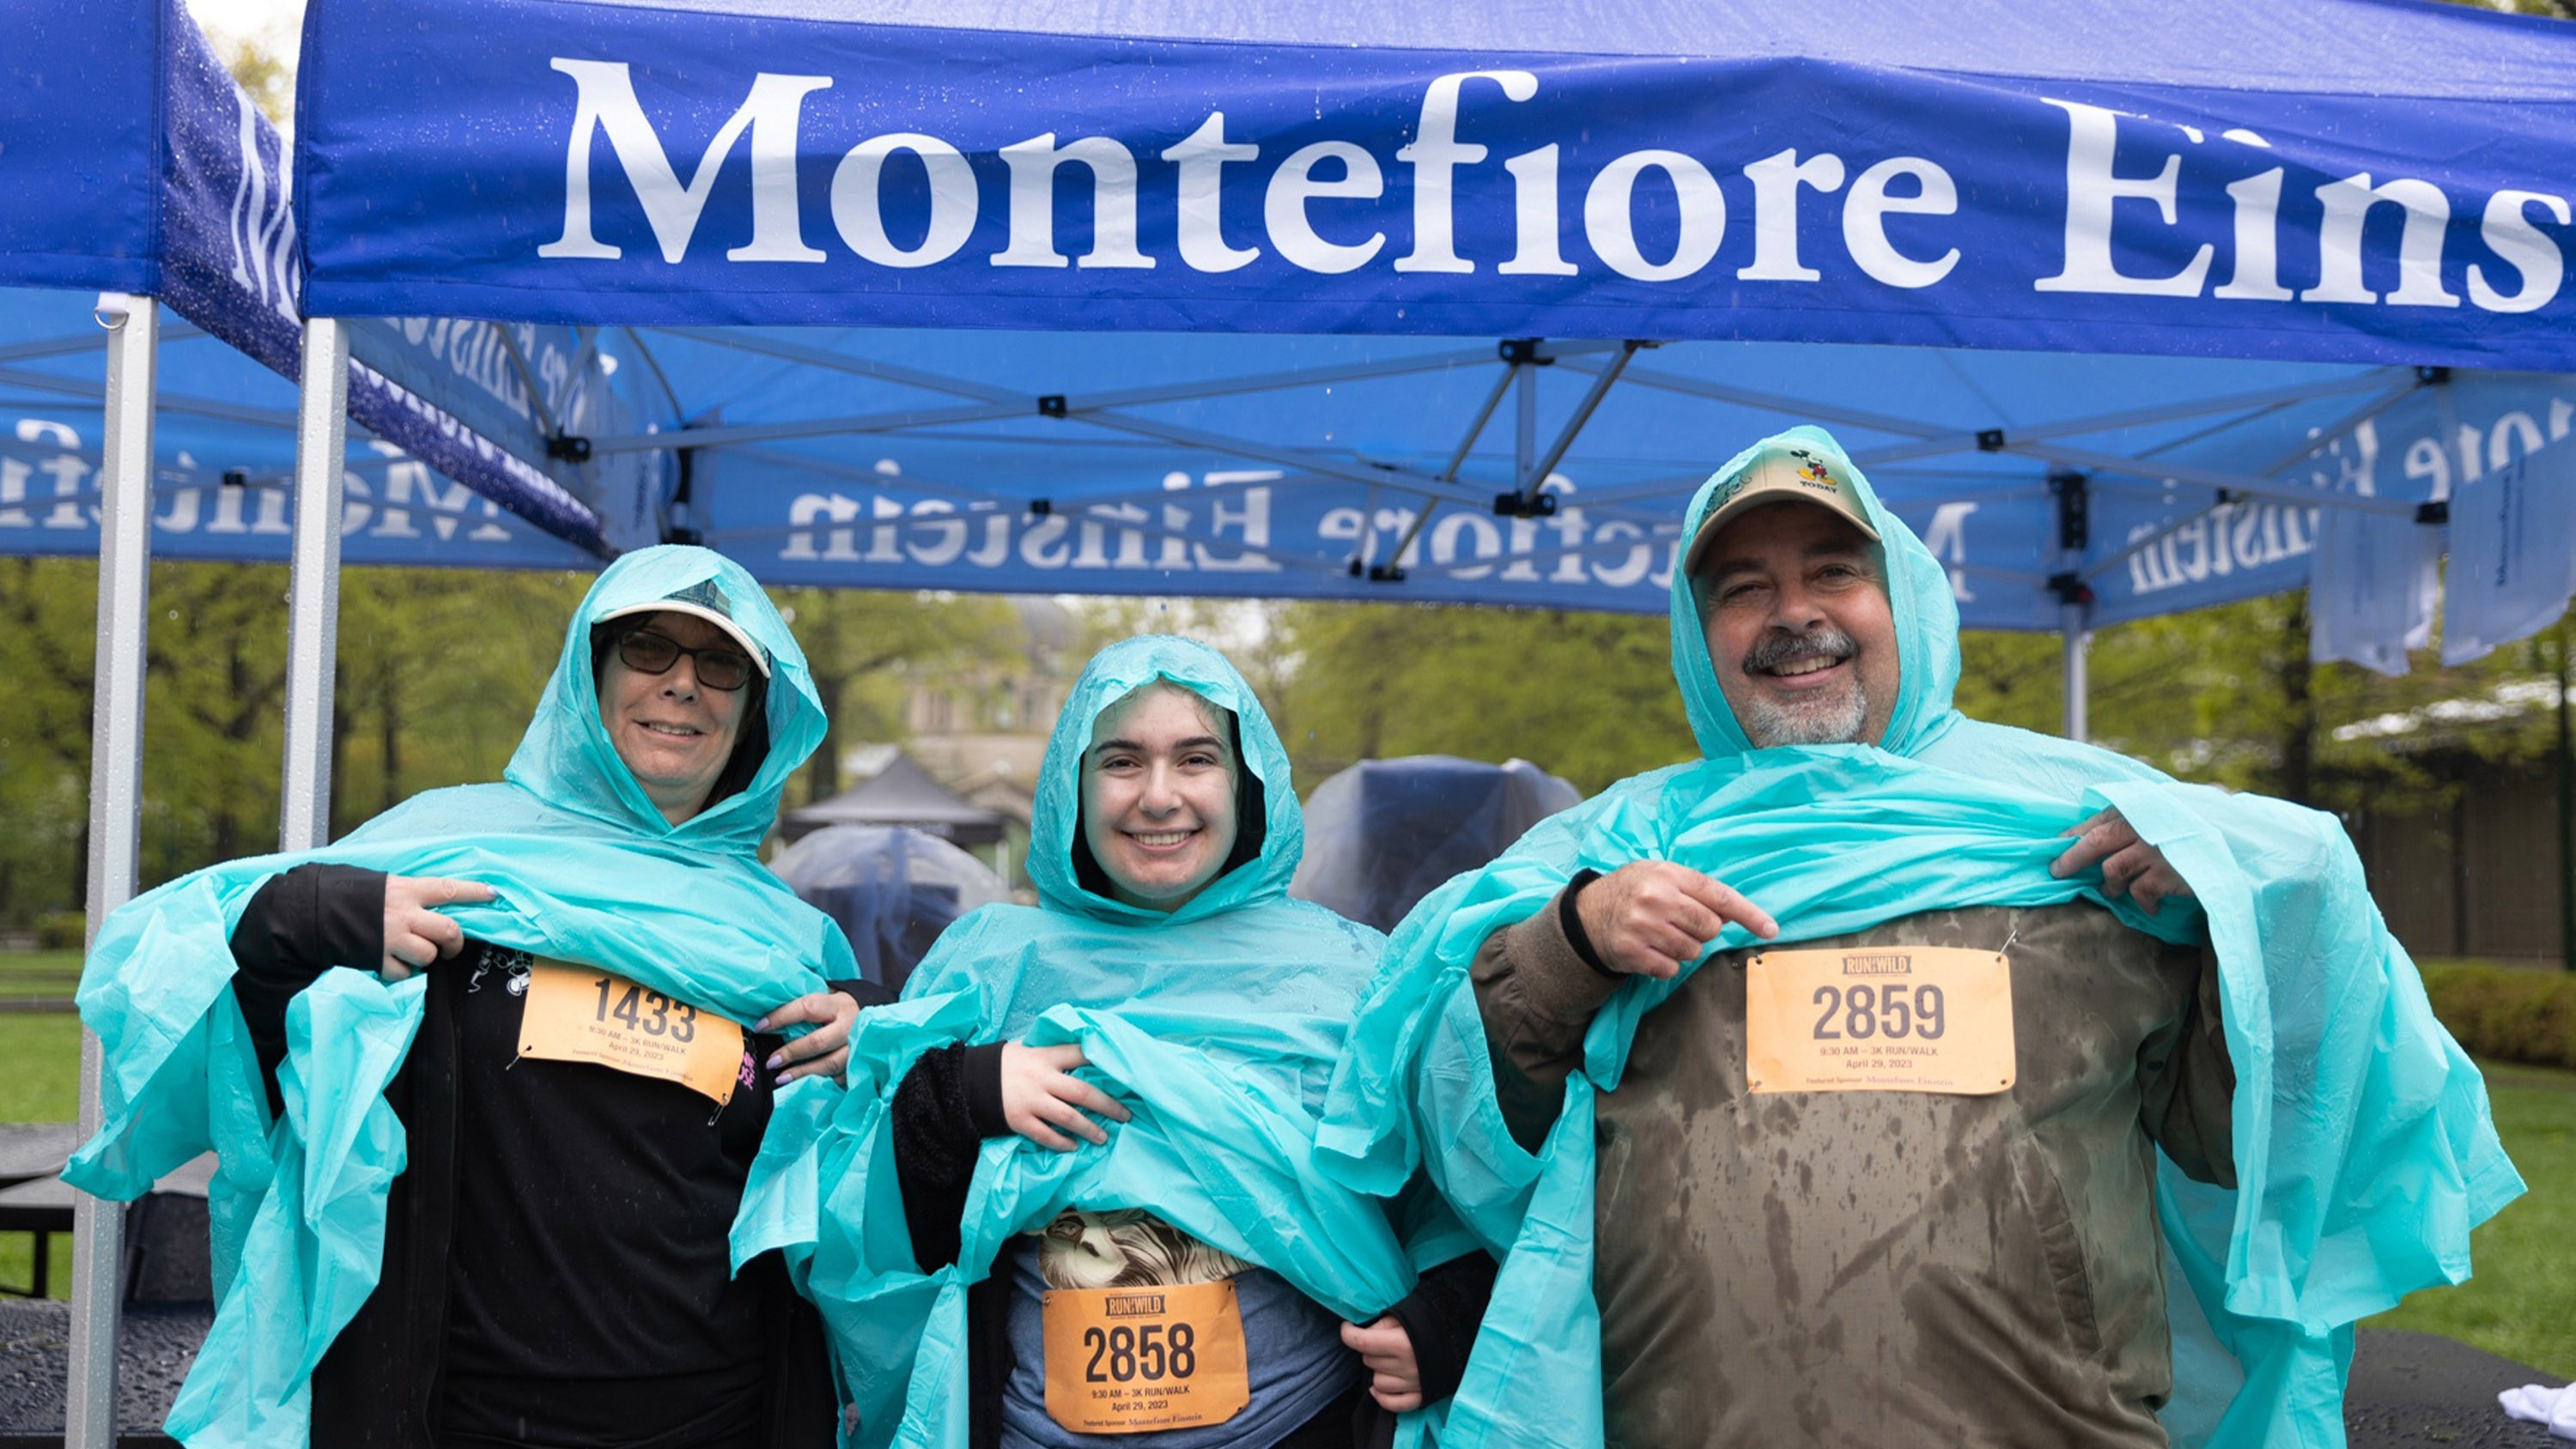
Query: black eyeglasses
x=646, y=652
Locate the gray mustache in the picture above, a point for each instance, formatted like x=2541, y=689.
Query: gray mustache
x=1779, y=648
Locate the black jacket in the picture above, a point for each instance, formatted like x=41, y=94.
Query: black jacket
x=379, y=1384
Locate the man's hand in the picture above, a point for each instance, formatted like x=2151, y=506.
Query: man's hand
x=822, y=1052
x=2130, y=866
x=415, y=933
x=1395, y=1376
x=1651, y=917
x=1037, y=1091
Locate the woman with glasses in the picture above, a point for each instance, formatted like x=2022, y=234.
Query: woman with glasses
x=488, y=1078
x=1072, y=1197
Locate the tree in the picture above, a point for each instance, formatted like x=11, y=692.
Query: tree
x=1586, y=696
x=868, y=648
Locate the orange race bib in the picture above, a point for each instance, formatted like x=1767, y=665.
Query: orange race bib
x=578, y=1014
x=1125, y=1360
x=1879, y=1019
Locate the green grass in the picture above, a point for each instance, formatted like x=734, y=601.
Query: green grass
x=39, y=973
x=2521, y=1303
x=39, y=1083
x=41, y=1079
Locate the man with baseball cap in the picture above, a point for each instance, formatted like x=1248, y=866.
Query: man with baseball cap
x=1899, y=1113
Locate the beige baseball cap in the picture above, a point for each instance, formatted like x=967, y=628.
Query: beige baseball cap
x=1781, y=471
x=701, y=600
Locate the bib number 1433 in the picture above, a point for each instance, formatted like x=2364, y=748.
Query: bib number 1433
x=580, y=1014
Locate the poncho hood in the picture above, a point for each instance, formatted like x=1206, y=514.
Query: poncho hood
x=1918, y=594
x=1055, y=821
x=586, y=871
x=2362, y=1144
x=566, y=760
x=1217, y=1025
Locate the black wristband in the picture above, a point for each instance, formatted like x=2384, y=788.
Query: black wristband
x=1571, y=921
x=982, y=1077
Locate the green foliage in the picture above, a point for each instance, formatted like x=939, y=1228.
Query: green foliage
x=269, y=80
x=2521, y=1303
x=867, y=648
x=438, y=672
x=2227, y=696
x=2512, y=1016
x=1586, y=696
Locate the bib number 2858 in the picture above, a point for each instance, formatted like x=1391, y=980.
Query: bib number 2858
x=1123, y=1354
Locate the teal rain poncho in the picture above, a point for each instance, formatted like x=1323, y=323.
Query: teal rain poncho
x=1216, y=1025
x=587, y=870
x=2363, y=1150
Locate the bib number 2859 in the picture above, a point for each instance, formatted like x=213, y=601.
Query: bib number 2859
x=1889, y=1019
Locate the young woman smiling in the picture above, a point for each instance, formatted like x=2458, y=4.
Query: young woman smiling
x=1072, y=1197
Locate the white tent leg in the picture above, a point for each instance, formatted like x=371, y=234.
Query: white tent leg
x=115, y=822
x=2076, y=642
x=313, y=596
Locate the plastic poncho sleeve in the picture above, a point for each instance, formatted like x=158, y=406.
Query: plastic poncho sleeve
x=2362, y=1148
x=587, y=870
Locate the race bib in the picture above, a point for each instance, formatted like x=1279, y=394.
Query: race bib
x=1125, y=1360
x=1879, y=1019
x=578, y=1014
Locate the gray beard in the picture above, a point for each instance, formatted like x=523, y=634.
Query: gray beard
x=1835, y=719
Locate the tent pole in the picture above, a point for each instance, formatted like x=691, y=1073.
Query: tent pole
x=2566, y=818
x=2071, y=625
x=115, y=822
x=313, y=595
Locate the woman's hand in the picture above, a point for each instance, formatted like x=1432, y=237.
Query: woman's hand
x=822, y=1052
x=1037, y=1090
x=415, y=933
x=1395, y=1377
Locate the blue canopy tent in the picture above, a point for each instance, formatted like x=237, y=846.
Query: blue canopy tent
x=1185, y=298
x=137, y=174
x=1348, y=300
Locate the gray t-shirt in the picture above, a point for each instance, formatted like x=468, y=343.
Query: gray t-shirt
x=1292, y=1346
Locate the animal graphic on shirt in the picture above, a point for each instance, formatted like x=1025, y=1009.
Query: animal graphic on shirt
x=1126, y=1248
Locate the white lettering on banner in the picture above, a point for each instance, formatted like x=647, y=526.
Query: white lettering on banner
x=2092, y=189
x=1436, y=151
x=2419, y=248
x=858, y=201
x=2509, y=233
x=1033, y=165
x=1776, y=180
x=67, y=468
x=2229, y=537
x=271, y=518
x=1535, y=251
x=1201, y=160
x=932, y=533
x=1865, y=220
x=606, y=101
x=1609, y=216
x=1295, y=184
x=1338, y=239
x=1947, y=537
